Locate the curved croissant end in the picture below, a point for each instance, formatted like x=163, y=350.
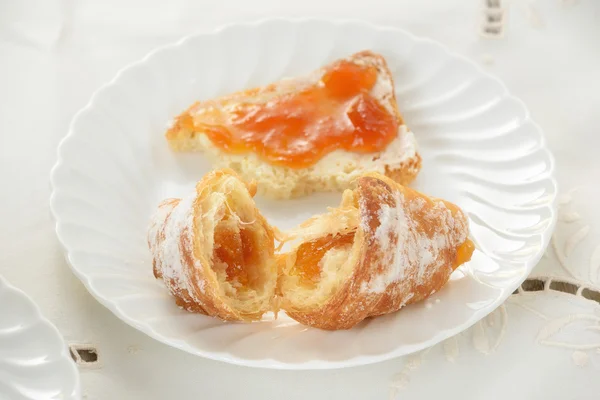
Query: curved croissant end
x=385, y=246
x=214, y=250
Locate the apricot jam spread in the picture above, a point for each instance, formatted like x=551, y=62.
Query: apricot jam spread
x=464, y=253
x=236, y=249
x=309, y=255
x=295, y=123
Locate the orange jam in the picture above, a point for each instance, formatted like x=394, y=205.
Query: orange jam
x=236, y=249
x=309, y=255
x=296, y=125
x=464, y=253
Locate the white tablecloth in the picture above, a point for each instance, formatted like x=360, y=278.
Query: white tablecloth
x=55, y=53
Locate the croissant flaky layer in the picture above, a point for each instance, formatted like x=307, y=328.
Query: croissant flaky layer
x=392, y=246
x=384, y=247
x=214, y=251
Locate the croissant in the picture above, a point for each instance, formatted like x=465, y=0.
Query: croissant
x=214, y=250
x=386, y=246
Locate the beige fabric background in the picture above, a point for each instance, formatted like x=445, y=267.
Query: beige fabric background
x=54, y=54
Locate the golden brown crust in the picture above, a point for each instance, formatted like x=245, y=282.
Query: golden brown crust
x=385, y=277
x=404, y=249
x=406, y=172
x=178, y=246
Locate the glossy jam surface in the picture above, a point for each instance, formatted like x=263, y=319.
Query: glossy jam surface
x=236, y=249
x=295, y=126
x=464, y=253
x=309, y=255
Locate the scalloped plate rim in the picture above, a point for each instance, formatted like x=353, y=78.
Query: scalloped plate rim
x=548, y=174
x=41, y=319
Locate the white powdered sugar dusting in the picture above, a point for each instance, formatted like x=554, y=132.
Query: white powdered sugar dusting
x=168, y=252
x=171, y=123
x=393, y=223
x=425, y=245
x=156, y=223
x=181, y=218
x=377, y=285
x=408, y=251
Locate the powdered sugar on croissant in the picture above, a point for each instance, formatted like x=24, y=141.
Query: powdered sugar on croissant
x=384, y=247
x=414, y=236
x=403, y=247
x=214, y=251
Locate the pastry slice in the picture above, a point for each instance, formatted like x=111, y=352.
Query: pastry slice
x=312, y=133
x=214, y=250
x=386, y=246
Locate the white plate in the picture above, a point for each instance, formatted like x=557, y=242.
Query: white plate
x=480, y=149
x=34, y=361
